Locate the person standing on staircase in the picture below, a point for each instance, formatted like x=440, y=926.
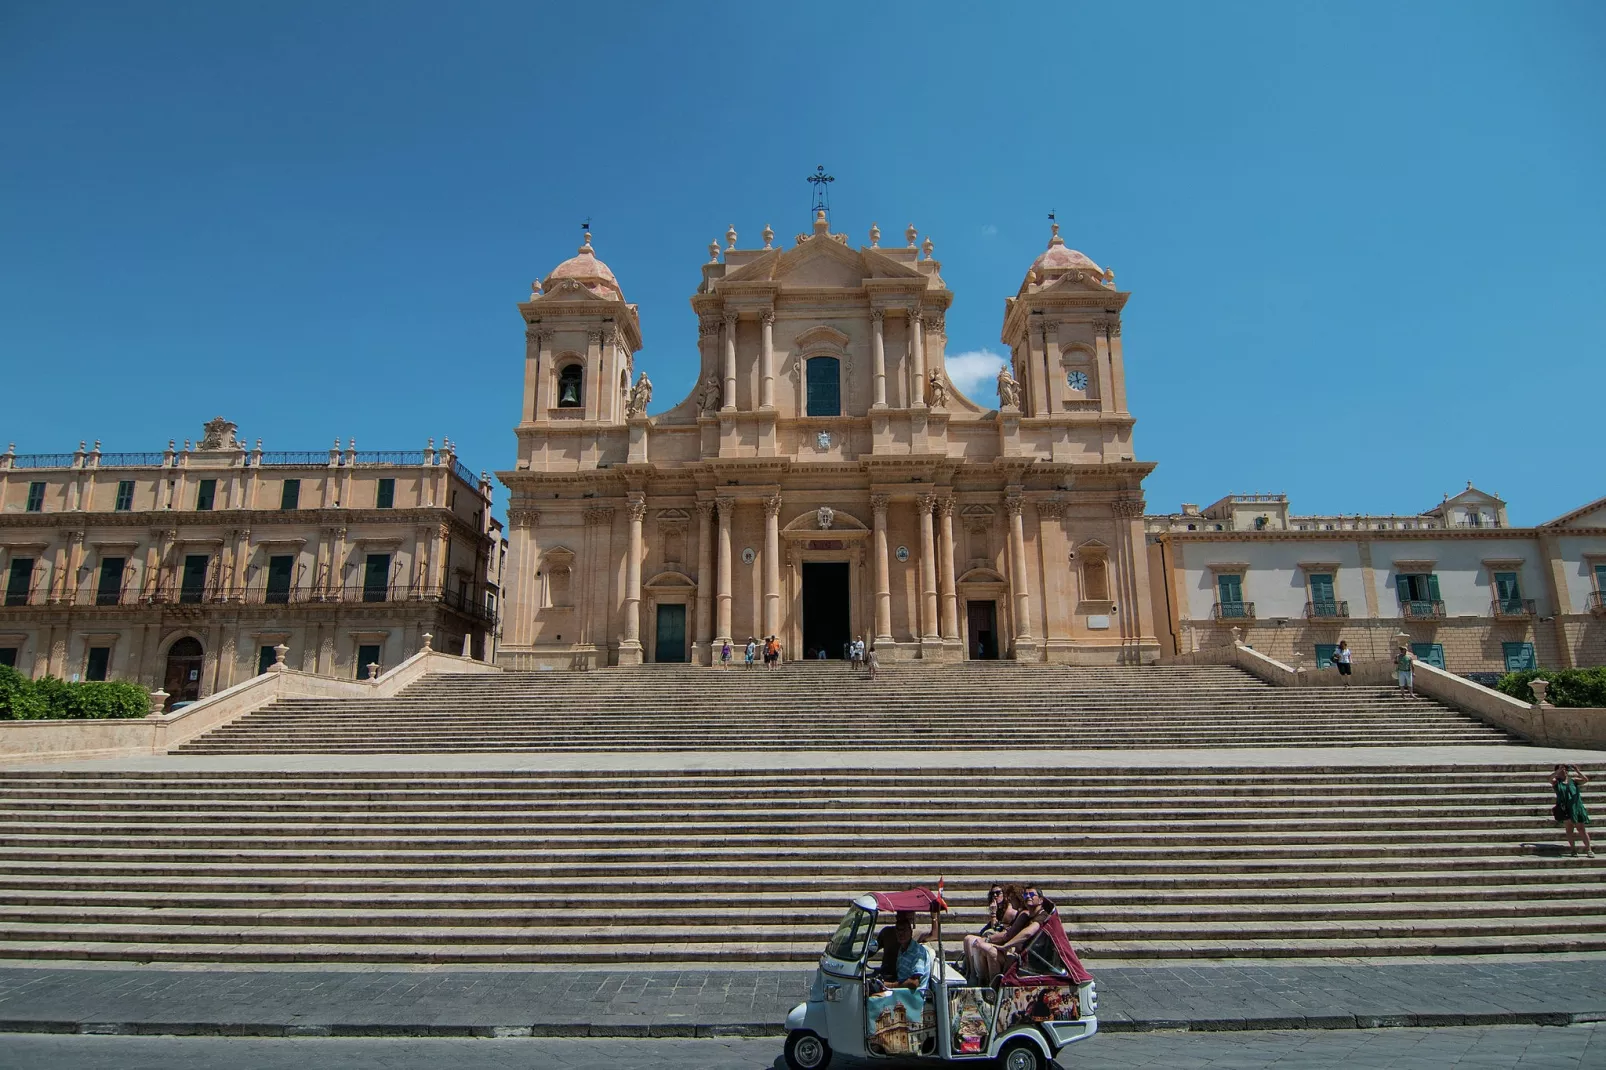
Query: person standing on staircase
x=1402, y=668
x=1567, y=782
x=1341, y=658
x=752, y=650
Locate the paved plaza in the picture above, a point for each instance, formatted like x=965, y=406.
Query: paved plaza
x=1503, y=1047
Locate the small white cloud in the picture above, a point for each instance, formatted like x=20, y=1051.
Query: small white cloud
x=988, y=230
x=974, y=372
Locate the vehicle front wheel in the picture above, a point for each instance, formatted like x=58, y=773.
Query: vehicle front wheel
x=806, y=1051
x=1021, y=1055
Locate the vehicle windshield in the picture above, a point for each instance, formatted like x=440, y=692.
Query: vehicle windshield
x=847, y=943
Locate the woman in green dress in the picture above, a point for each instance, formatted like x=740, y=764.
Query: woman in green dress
x=1567, y=781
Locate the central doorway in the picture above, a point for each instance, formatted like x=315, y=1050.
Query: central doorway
x=825, y=608
x=982, y=617
x=670, y=642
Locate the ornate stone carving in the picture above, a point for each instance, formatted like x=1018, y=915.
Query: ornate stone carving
x=534, y=335
x=730, y=320
x=768, y=317
x=1008, y=389
x=945, y=507
x=877, y=315
x=707, y=328
x=594, y=337
x=875, y=236
x=1051, y=508
x=825, y=516
x=598, y=515
x=937, y=390
x=916, y=319
x=523, y=518
x=925, y=503
x=220, y=435
x=636, y=508
x=709, y=397
x=772, y=505
x=936, y=324
x=727, y=507
x=1115, y=328
x=879, y=504
x=1013, y=503
x=1128, y=508
x=640, y=395
x=705, y=508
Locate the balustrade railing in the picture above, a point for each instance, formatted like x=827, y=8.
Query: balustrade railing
x=1597, y=603
x=1512, y=608
x=1233, y=611
x=1422, y=609
x=1326, y=610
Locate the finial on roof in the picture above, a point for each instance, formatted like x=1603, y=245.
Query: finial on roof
x=769, y=237
x=535, y=288
x=585, y=246
x=1469, y=484
x=730, y=236
x=926, y=247
x=875, y=236
x=910, y=234
x=713, y=252
x=1109, y=275
x=822, y=225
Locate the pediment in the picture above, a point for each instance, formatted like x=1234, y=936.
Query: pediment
x=821, y=336
x=568, y=290
x=671, y=579
x=815, y=520
x=981, y=575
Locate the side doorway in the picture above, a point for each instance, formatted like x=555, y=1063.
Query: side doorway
x=182, y=681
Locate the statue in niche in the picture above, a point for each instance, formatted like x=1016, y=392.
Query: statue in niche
x=710, y=394
x=938, y=392
x=1008, y=389
x=640, y=396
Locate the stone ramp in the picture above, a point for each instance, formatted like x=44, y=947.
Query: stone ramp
x=752, y=865
x=827, y=706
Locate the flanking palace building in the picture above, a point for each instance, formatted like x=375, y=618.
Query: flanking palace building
x=823, y=481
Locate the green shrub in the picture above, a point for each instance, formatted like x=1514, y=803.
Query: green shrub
x=1572, y=688
x=52, y=699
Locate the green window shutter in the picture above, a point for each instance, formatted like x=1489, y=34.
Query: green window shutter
x=1519, y=656
x=1433, y=587
x=1321, y=588
x=1231, y=588
x=1324, y=655
x=1429, y=654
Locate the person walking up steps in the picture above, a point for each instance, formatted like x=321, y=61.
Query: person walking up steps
x=1567, y=781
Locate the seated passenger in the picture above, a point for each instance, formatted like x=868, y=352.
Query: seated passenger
x=1000, y=915
x=992, y=954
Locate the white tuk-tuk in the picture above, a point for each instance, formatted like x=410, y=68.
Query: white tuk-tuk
x=1042, y=1002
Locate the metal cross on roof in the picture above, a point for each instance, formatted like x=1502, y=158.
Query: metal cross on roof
x=822, y=194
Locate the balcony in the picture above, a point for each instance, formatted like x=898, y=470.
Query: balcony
x=1232, y=611
x=1423, y=609
x=1512, y=608
x=1597, y=603
x=1326, y=610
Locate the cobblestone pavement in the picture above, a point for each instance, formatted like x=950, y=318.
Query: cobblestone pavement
x=1524, y=1047
x=1341, y=995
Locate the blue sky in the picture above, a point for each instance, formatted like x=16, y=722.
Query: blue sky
x=1365, y=241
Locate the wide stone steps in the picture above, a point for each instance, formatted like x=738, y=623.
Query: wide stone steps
x=752, y=865
x=830, y=707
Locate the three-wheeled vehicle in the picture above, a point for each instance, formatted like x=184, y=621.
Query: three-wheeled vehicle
x=1042, y=1002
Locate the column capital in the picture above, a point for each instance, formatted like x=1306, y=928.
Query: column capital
x=636, y=506
x=926, y=503
x=772, y=505
x=599, y=514
x=708, y=327
x=731, y=316
x=877, y=315
x=945, y=507
x=1013, y=502
x=767, y=317
x=705, y=509
x=594, y=337
x=1128, y=508
x=727, y=507
x=537, y=335
x=916, y=316
x=879, y=504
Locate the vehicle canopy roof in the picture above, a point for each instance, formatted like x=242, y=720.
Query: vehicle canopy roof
x=919, y=900
x=1077, y=973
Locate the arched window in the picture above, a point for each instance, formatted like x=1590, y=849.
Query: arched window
x=570, y=388
x=824, y=386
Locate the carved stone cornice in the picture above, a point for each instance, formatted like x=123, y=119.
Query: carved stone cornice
x=598, y=515
x=1051, y=508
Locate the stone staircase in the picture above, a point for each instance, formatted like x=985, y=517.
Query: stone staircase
x=827, y=706
x=400, y=866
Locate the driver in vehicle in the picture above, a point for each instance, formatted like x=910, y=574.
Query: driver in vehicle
x=908, y=962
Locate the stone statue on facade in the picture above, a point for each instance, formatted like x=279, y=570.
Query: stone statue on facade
x=1008, y=389
x=220, y=435
x=825, y=516
x=938, y=392
x=640, y=396
x=710, y=394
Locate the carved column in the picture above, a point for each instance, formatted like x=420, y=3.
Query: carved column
x=1101, y=346
x=1017, y=570
x=532, y=373
x=928, y=567
x=630, y=644
x=728, y=398
x=705, y=572
x=917, y=352
x=772, y=565
x=766, y=394
x=594, y=386
x=727, y=511
x=883, y=581
x=878, y=358
x=949, y=591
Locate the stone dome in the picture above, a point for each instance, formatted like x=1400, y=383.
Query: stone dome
x=1060, y=257
x=586, y=269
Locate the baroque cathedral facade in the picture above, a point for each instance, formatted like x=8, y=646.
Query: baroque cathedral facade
x=825, y=480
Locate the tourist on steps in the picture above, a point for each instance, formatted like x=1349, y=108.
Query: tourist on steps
x=1402, y=668
x=725, y=655
x=752, y=650
x=1567, y=781
x=871, y=662
x=1341, y=658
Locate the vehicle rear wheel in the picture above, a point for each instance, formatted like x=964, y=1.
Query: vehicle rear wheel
x=806, y=1051
x=1021, y=1055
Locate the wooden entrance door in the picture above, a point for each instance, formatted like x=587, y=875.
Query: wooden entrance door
x=670, y=641
x=183, y=680
x=982, y=621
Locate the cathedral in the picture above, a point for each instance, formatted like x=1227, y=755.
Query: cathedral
x=825, y=481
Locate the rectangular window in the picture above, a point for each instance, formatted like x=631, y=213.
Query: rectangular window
x=125, y=495
x=109, y=590
x=387, y=494
x=367, y=654
x=192, y=587
x=1507, y=593
x=265, y=659
x=1519, y=656
x=8, y=656
x=281, y=569
x=290, y=495
x=1429, y=654
x=825, y=386
x=205, y=495
x=1324, y=655
x=1230, y=593
x=1321, y=588
x=376, y=577
x=1600, y=578
x=20, y=582
x=100, y=659
x=36, y=498
x=1418, y=593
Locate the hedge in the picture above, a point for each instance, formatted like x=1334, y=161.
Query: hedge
x=1572, y=688
x=51, y=699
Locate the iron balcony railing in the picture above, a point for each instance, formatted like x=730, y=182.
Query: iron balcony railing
x=1512, y=608
x=41, y=460
x=470, y=602
x=1597, y=603
x=1326, y=610
x=1233, y=611
x=1422, y=609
